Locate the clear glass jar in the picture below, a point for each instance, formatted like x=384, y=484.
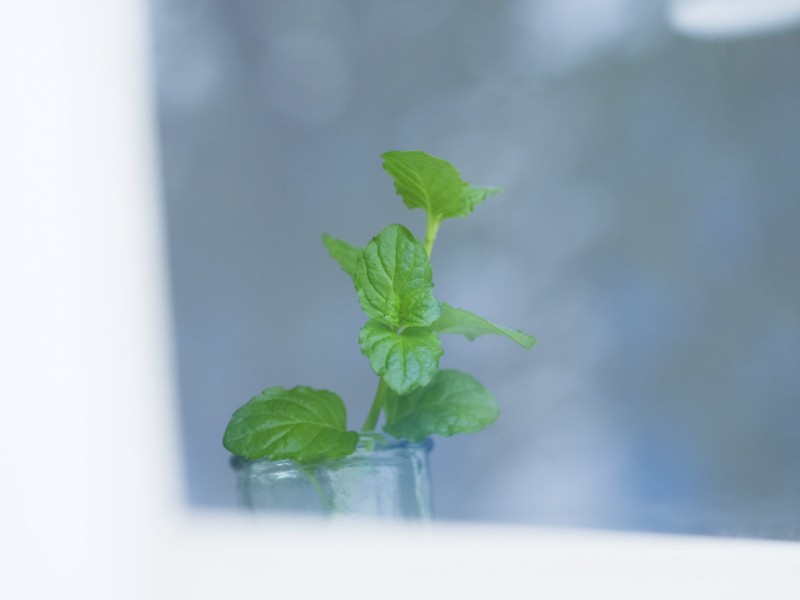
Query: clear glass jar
x=382, y=479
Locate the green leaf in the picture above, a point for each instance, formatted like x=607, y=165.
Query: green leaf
x=302, y=424
x=343, y=253
x=394, y=281
x=470, y=325
x=432, y=184
x=406, y=360
x=453, y=402
x=473, y=195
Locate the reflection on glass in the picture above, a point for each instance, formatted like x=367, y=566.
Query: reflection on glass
x=650, y=231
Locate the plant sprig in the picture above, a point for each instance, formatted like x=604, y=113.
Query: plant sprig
x=393, y=279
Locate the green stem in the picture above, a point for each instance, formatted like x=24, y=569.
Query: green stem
x=377, y=406
x=312, y=478
x=432, y=228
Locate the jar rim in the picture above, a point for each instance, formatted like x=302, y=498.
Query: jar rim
x=368, y=443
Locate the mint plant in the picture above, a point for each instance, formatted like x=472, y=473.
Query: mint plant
x=401, y=339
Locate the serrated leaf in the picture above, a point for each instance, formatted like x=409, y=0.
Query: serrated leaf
x=470, y=325
x=432, y=184
x=473, y=195
x=343, y=253
x=394, y=281
x=406, y=360
x=454, y=402
x=302, y=424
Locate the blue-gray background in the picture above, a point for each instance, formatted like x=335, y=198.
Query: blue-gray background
x=649, y=236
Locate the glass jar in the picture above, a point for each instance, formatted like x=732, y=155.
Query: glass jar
x=382, y=479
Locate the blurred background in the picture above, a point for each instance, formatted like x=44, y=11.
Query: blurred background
x=648, y=235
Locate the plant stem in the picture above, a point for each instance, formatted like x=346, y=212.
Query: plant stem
x=312, y=478
x=377, y=406
x=431, y=229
